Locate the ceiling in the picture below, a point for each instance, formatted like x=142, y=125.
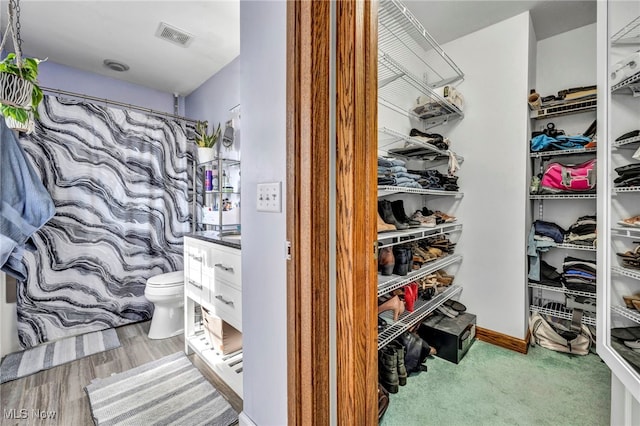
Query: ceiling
x=82, y=34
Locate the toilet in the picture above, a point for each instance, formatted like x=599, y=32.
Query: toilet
x=166, y=292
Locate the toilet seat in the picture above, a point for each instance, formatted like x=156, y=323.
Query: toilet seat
x=169, y=279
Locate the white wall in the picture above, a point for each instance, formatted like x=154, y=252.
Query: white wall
x=533, y=53
x=493, y=139
x=62, y=77
x=264, y=322
x=214, y=100
x=567, y=60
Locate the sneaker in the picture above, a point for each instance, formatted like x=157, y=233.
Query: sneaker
x=425, y=221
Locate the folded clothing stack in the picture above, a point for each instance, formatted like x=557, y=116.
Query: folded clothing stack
x=579, y=274
x=582, y=232
x=391, y=172
x=628, y=175
x=548, y=231
x=433, y=179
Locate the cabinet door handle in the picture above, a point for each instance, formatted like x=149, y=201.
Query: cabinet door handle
x=222, y=299
x=195, y=284
x=196, y=258
x=226, y=268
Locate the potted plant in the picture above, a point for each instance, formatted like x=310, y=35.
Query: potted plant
x=206, y=141
x=20, y=94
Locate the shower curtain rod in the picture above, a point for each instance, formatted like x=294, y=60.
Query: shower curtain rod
x=122, y=104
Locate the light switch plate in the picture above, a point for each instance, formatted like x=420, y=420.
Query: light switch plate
x=269, y=196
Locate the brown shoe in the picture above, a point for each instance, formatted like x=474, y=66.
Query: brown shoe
x=444, y=278
x=628, y=300
x=384, y=226
x=386, y=260
x=444, y=216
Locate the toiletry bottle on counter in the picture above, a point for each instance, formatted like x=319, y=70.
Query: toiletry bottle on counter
x=214, y=181
x=208, y=180
x=225, y=181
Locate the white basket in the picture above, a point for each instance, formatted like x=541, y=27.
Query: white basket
x=15, y=91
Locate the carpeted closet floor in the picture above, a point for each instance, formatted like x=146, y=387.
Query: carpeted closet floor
x=496, y=386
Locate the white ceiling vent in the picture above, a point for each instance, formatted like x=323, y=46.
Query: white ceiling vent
x=174, y=35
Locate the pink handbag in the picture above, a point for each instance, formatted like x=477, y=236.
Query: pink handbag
x=558, y=177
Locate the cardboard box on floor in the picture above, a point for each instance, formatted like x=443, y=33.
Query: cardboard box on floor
x=222, y=336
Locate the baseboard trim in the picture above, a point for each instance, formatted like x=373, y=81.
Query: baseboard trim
x=244, y=420
x=503, y=340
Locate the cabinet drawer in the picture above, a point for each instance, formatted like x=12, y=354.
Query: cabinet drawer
x=196, y=277
x=196, y=289
x=228, y=303
x=226, y=264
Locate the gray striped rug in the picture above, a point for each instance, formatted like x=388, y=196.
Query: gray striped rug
x=42, y=357
x=167, y=391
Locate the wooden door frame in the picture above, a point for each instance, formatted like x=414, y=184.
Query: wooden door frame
x=309, y=212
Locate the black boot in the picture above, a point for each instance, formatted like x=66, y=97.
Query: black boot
x=402, y=370
x=402, y=257
x=388, y=369
x=397, y=207
x=386, y=213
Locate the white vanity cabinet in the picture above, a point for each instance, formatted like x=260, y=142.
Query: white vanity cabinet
x=212, y=279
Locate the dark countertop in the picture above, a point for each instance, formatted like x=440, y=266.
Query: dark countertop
x=213, y=237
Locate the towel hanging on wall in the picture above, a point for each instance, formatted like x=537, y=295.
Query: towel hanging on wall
x=26, y=204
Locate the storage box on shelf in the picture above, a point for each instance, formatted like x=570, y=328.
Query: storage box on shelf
x=221, y=334
x=213, y=283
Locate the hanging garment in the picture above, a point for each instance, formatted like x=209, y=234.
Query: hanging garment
x=534, y=248
x=26, y=204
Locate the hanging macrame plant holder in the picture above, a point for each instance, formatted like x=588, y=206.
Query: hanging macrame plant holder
x=26, y=127
x=16, y=91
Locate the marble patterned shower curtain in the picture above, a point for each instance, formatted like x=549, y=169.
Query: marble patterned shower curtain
x=120, y=183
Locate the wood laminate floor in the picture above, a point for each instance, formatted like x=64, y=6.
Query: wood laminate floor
x=57, y=397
